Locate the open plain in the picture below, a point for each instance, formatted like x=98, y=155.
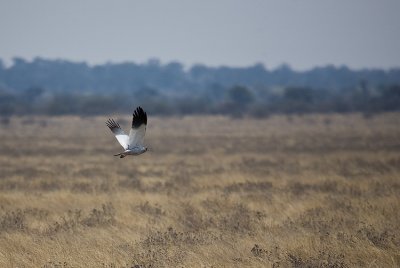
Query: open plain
x=285, y=191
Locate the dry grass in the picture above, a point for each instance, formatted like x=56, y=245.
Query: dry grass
x=311, y=191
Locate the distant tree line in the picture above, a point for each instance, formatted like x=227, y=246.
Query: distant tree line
x=57, y=87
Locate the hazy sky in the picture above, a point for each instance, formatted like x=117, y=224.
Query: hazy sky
x=302, y=33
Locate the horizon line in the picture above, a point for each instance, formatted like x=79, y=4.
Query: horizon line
x=157, y=61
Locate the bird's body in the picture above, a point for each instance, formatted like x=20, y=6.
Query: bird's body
x=132, y=151
x=134, y=143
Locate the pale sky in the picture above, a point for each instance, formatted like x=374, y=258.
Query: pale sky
x=301, y=33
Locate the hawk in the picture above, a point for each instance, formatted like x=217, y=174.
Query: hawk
x=134, y=143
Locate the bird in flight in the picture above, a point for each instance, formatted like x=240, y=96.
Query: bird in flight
x=132, y=144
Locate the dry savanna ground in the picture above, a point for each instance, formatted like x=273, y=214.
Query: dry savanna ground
x=300, y=191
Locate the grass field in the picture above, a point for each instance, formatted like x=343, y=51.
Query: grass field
x=309, y=191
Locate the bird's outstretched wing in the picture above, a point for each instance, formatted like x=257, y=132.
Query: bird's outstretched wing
x=122, y=138
x=138, y=130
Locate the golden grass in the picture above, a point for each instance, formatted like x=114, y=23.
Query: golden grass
x=310, y=191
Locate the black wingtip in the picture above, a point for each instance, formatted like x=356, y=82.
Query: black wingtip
x=112, y=124
x=139, y=117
